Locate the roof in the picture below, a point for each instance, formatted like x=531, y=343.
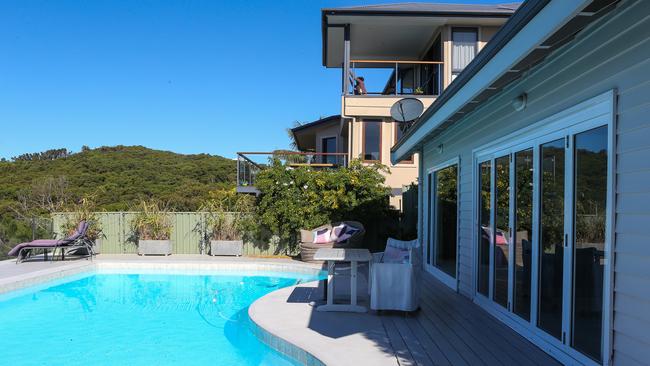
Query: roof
x=335, y=117
x=513, y=50
x=435, y=8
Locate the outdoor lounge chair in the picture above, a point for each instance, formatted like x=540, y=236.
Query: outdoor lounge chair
x=393, y=279
x=308, y=248
x=77, y=240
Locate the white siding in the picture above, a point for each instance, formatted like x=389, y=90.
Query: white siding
x=613, y=53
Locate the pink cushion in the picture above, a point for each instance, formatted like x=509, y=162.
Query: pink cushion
x=322, y=236
x=395, y=255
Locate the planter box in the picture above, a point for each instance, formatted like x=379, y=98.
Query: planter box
x=154, y=247
x=97, y=246
x=226, y=247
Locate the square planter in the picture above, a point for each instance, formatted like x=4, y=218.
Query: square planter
x=97, y=246
x=226, y=247
x=154, y=247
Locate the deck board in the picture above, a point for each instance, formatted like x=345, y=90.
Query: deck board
x=451, y=329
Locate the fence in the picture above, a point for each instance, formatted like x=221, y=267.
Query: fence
x=186, y=238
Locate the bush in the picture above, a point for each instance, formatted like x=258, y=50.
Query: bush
x=152, y=222
x=297, y=198
x=228, y=215
x=83, y=210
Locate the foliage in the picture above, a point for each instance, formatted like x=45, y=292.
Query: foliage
x=83, y=210
x=296, y=198
x=151, y=222
x=228, y=214
x=34, y=186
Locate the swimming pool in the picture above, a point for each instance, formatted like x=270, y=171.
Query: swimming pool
x=139, y=319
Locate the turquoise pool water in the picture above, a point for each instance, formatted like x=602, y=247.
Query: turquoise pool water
x=139, y=319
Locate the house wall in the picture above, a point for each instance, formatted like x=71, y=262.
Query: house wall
x=614, y=53
x=330, y=131
x=485, y=33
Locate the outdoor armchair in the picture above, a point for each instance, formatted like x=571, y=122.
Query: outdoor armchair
x=394, y=276
x=308, y=248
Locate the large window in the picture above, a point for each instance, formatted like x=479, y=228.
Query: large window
x=372, y=140
x=443, y=217
x=542, y=222
x=464, y=47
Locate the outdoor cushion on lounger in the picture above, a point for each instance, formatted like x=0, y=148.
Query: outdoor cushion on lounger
x=51, y=243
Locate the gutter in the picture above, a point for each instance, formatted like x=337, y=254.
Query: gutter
x=526, y=30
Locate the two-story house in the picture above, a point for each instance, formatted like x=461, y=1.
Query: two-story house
x=409, y=50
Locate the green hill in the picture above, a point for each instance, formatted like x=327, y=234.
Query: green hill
x=118, y=177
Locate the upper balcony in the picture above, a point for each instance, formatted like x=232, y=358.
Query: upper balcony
x=373, y=86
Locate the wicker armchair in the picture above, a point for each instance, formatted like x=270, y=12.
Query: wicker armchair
x=308, y=248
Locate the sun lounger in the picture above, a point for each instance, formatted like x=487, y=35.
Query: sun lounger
x=77, y=240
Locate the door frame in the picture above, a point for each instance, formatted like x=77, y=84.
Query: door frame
x=594, y=112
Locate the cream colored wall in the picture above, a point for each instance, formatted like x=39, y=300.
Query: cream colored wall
x=332, y=131
x=485, y=33
x=400, y=174
x=374, y=105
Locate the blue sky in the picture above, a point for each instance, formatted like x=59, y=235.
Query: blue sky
x=187, y=76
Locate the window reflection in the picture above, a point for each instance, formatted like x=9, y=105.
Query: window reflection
x=523, y=232
x=485, y=170
x=551, y=238
x=589, y=249
x=446, y=216
x=502, y=232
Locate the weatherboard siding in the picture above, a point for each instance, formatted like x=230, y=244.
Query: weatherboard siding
x=613, y=53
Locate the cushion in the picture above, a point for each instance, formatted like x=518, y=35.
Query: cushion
x=395, y=255
x=349, y=232
x=322, y=236
x=337, y=231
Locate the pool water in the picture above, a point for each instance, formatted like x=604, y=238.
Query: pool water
x=139, y=319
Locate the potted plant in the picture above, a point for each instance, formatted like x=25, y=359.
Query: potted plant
x=227, y=220
x=84, y=210
x=151, y=228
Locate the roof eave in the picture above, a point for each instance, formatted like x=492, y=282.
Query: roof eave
x=527, y=29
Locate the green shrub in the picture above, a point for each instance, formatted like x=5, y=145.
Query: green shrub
x=83, y=210
x=228, y=215
x=151, y=222
x=298, y=198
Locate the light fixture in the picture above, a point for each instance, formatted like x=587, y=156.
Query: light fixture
x=519, y=103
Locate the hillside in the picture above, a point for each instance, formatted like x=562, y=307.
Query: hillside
x=119, y=177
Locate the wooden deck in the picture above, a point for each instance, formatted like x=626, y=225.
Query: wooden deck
x=451, y=330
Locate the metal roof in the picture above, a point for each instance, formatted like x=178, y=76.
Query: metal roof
x=505, y=8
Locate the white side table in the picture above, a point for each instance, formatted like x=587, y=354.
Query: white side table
x=333, y=255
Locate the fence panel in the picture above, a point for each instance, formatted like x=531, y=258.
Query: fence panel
x=116, y=227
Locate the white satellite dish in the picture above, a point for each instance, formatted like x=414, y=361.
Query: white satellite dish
x=406, y=110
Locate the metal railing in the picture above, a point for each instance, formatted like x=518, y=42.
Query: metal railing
x=398, y=77
x=249, y=164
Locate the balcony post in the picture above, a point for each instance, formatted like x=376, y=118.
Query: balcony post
x=396, y=76
x=346, y=58
x=439, y=79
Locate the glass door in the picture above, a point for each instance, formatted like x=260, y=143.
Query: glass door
x=541, y=222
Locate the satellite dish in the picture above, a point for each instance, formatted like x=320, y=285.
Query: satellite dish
x=406, y=110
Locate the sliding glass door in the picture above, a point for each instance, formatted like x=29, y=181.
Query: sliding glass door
x=443, y=220
x=541, y=209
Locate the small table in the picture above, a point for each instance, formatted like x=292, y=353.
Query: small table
x=333, y=255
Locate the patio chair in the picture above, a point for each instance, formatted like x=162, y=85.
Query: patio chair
x=78, y=240
x=394, y=276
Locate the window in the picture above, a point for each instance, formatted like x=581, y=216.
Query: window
x=464, y=48
x=399, y=132
x=372, y=140
x=329, y=146
x=443, y=218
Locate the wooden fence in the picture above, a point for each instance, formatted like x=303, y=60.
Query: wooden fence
x=186, y=238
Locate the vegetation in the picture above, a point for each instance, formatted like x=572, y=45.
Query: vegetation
x=296, y=198
x=151, y=222
x=84, y=210
x=32, y=186
x=228, y=215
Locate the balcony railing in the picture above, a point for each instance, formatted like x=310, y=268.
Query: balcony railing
x=386, y=77
x=249, y=164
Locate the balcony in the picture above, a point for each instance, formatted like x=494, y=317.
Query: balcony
x=387, y=81
x=249, y=164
